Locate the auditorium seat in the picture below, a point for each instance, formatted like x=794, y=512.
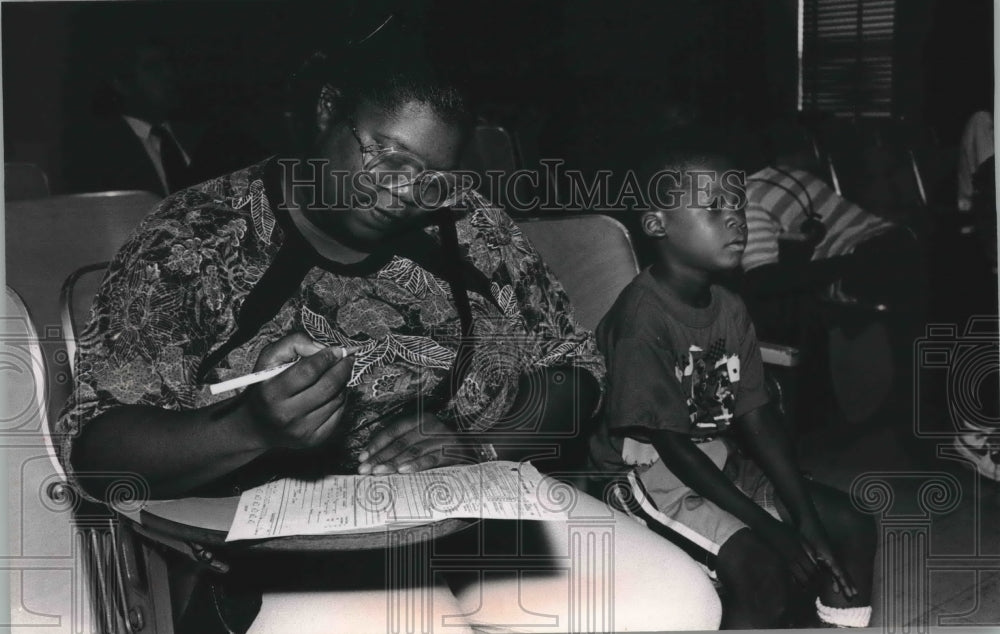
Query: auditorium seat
x=495, y=149
x=49, y=238
x=23, y=181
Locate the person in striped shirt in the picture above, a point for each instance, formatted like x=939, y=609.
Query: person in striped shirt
x=780, y=204
x=805, y=242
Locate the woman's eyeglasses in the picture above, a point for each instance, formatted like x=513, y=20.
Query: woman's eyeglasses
x=406, y=175
x=391, y=167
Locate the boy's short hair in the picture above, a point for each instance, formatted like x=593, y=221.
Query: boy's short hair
x=685, y=148
x=681, y=148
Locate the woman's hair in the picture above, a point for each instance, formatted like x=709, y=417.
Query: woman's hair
x=386, y=68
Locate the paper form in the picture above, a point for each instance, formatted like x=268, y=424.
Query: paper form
x=349, y=503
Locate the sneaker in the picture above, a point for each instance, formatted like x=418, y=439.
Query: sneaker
x=981, y=447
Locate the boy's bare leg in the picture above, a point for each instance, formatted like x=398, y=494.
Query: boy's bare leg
x=855, y=538
x=756, y=582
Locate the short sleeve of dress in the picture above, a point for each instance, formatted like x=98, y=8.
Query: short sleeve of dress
x=155, y=315
x=535, y=327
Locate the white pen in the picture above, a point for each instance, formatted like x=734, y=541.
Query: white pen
x=263, y=375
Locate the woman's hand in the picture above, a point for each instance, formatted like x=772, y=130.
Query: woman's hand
x=414, y=442
x=815, y=535
x=300, y=407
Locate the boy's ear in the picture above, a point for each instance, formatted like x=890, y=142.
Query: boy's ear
x=654, y=224
x=327, y=108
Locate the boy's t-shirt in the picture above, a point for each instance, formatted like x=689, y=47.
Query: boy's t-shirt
x=673, y=367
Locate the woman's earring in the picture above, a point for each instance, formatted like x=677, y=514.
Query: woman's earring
x=327, y=107
x=328, y=96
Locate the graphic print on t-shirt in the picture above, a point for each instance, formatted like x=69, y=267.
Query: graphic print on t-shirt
x=707, y=378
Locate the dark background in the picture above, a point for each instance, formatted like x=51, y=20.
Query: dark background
x=532, y=63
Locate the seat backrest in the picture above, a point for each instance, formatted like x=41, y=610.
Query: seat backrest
x=791, y=144
x=495, y=149
x=591, y=255
x=492, y=147
x=934, y=164
x=23, y=181
x=843, y=142
x=49, y=238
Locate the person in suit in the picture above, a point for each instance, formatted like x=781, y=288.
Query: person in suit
x=131, y=141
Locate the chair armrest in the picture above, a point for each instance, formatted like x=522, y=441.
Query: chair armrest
x=70, y=327
x=779, y=355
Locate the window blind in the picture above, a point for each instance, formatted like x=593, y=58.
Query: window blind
x=846, y=56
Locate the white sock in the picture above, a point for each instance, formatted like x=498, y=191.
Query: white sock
x=844, y=617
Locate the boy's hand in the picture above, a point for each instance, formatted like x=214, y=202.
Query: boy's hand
x=796, y=552
x=815, y=535
x=300, y=407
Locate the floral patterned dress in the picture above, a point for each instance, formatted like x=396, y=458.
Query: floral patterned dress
x=173, y=294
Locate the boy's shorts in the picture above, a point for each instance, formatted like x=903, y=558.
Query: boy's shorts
x=661, y=500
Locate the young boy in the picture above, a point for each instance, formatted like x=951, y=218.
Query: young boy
x=687, y=436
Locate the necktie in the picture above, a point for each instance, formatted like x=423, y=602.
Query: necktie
x=172, y=159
